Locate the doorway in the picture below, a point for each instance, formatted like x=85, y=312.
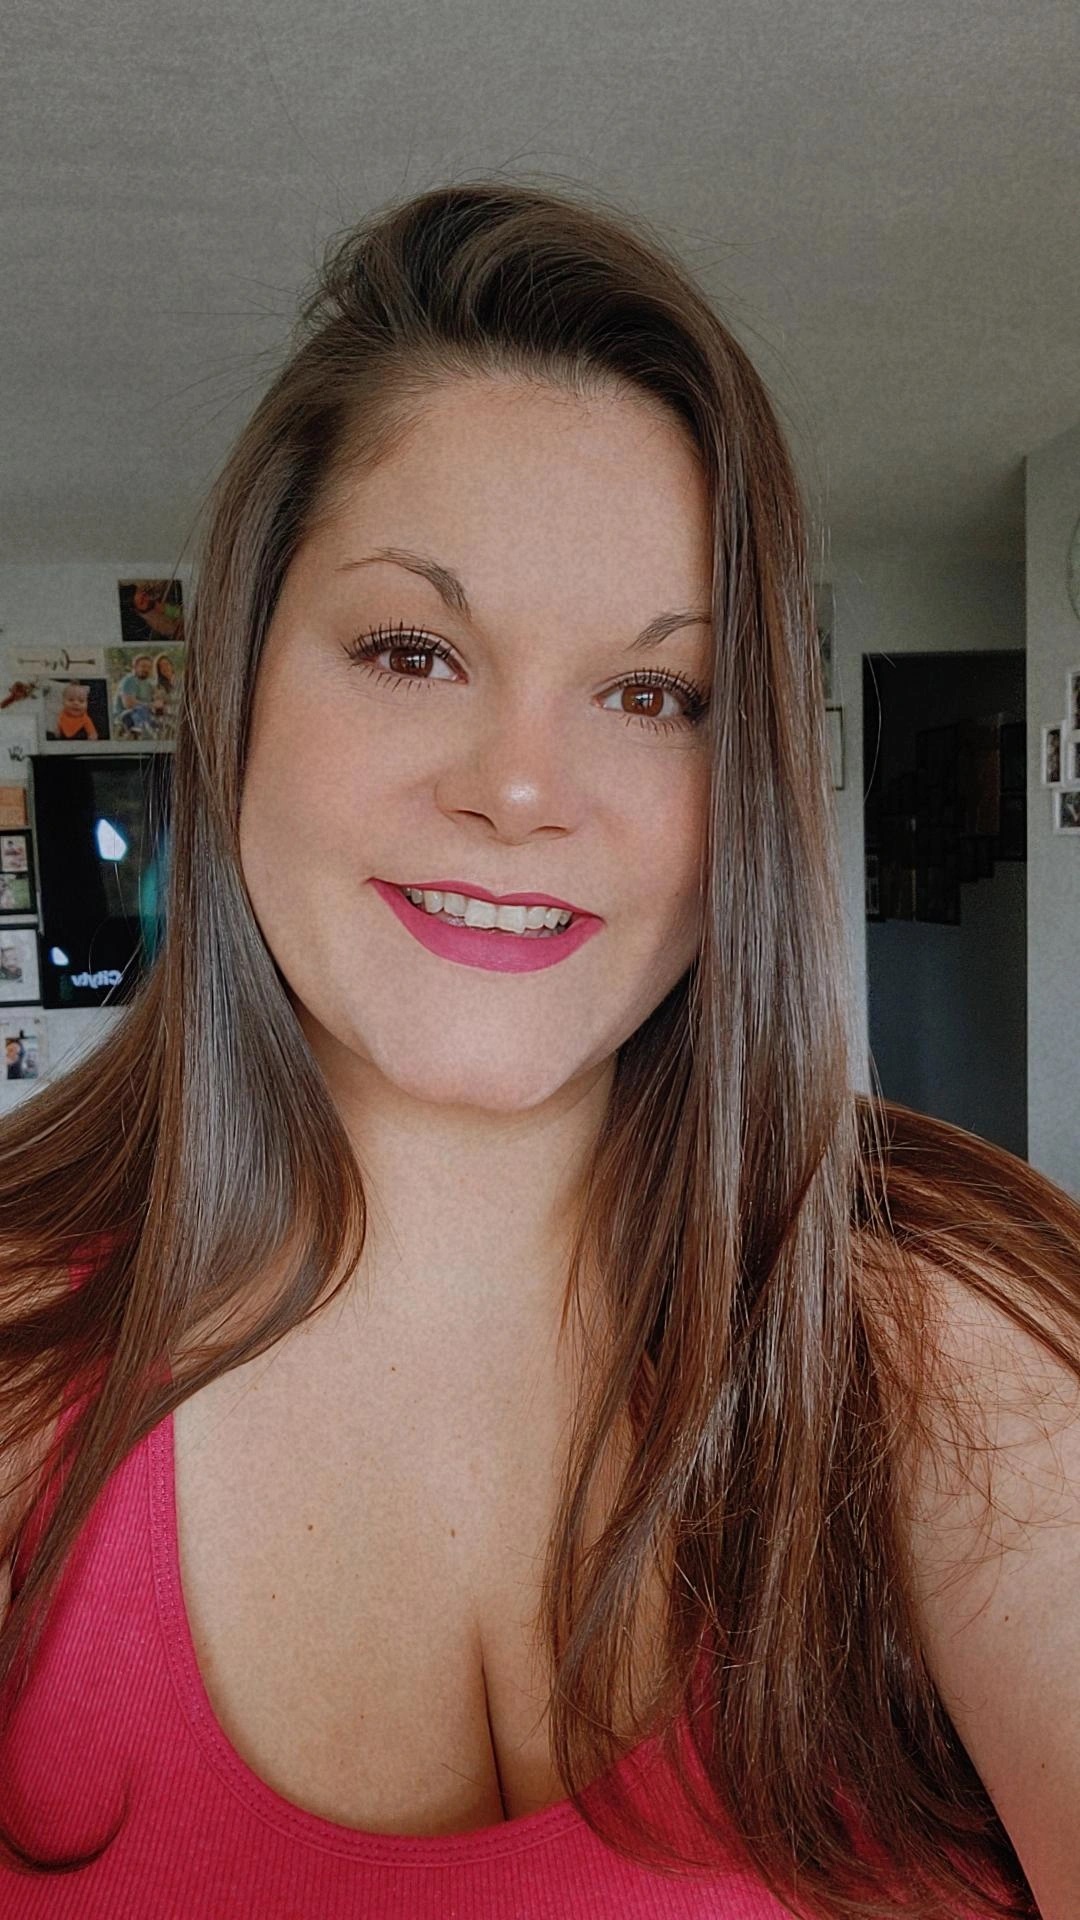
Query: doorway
x=944, y=782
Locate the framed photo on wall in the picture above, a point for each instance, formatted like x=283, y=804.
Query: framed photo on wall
x=13, y=808
x=1067, y=810
x=25, y=1042
x=18, y=895
x=15, y=850
x=20, y=979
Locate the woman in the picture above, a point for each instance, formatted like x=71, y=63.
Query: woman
x=558, y=1388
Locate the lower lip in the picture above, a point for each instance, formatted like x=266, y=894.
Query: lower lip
x=476, y=947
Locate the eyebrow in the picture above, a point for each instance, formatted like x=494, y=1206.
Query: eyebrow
x=452, y=593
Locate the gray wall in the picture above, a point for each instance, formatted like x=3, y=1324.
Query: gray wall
x=1053, y=507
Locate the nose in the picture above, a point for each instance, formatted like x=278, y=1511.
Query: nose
x=519, y=770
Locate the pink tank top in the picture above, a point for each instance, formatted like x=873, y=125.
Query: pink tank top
x=116, y=1711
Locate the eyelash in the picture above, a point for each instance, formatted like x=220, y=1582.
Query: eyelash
x=368, y=646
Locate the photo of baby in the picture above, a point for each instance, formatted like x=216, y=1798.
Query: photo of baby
x=76, y=710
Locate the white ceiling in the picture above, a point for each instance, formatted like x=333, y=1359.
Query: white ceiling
x=881, y=197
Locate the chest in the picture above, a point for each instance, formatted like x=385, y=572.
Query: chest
x=361, y=1551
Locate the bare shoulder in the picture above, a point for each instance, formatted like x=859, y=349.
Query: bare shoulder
x=993, y=1531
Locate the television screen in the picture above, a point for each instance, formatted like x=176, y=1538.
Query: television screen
x=103, y=850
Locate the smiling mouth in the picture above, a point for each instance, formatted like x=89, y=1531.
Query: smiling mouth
x=415, y=898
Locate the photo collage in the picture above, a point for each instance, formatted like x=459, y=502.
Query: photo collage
x=129, y=691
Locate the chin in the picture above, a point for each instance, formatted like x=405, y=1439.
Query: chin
x=509, y=1090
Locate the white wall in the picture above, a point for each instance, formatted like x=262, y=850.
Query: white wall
x=1053, y=508
x=903, y=599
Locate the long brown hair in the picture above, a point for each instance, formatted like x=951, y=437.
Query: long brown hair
x=765, y=1233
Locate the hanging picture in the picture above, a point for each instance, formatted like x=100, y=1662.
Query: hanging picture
x=20, y=980
x=151, y=611
x=1051, y=756
x=13, y=807
x=144, y=691
x=14, y=852
x=25, y=1056
x=1067, y=810
x=18, y=894
x=76, y=710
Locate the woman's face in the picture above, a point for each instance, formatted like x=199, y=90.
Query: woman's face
x=518, y=764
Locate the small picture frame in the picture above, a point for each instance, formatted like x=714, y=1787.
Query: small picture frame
x=144, y=691
x=835, y=719
x=151, y=612
x=20, y=979
x=25, y=1054
x=1070, y=753
x=75, y=711
x=1050, y=759
x=1072, y=700
x=15, y=851
x=13, y=808
x=1067, y=810
x=18, y=894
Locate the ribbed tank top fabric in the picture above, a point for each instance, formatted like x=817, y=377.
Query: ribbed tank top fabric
x=115, y=1720
x=115, y=1729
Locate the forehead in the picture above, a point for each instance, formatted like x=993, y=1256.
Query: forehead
x=505, y=479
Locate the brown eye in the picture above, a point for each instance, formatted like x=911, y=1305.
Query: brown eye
x=403, y=643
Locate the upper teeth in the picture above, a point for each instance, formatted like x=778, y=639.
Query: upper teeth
x=483, y=913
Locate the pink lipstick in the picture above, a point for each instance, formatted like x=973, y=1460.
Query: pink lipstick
x=480, y=947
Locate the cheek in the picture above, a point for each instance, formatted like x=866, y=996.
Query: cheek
x=669, y=836
x=319, y=788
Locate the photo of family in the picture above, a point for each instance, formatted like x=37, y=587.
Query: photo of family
x=151, y=611
x=144, y=691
